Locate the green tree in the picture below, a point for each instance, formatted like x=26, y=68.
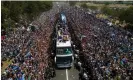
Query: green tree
x=127, y=15
x=107, y=3
x=4, y=14
x=72, y=3
x=84, y=5
x=106, y=10
x=13, y=11
x=92, y=7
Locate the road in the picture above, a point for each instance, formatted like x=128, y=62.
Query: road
x=66, y=74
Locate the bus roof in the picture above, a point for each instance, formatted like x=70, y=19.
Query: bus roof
x=63, y=44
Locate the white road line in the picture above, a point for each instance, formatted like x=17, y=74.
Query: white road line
x=66, y=74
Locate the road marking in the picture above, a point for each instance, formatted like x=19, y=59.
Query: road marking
x=66, y=74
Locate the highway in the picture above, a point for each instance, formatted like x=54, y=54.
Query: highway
x=66, y=74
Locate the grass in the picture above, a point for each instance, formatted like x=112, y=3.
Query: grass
x=5, y=65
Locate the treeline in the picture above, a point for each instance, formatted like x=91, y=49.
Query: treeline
x=122, y=14
x=21, y=11
x=72, y=3
x=113, y=2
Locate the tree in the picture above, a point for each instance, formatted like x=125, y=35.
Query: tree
x=107, y=3
x=72, y=3
x=127, y=15
x=105, y=9
x=14, y=11
x=92, y=7
x=4, y=14
x=84, y=5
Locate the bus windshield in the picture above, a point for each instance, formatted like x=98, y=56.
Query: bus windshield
x=64, y=51
x=66, y=59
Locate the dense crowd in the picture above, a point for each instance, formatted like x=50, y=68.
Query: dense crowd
x=28, y=49
x=105, y=52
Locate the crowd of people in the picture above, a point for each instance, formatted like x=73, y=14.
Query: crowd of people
x=105, y=52
x=28, y=49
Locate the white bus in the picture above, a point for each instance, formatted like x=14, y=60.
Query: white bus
x=64, y=53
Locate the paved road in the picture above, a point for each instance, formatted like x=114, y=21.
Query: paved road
x=66, y=74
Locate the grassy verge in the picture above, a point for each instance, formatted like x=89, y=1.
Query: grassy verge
x=5, y=65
